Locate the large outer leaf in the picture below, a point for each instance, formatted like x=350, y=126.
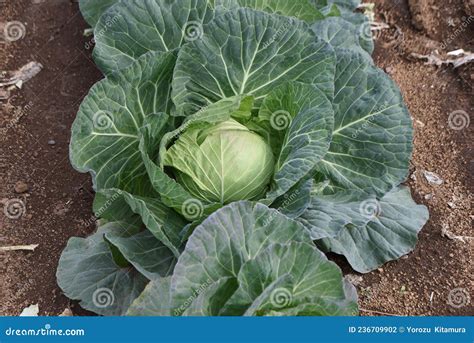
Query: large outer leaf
x=148, y=255
x=308, y=274
x=372, y=138
x=303, y=139
x=301, y=9
x=224, y=242
x=92, y=9
x=294, y=202
x=388, y=236
x=133, y=28
x=328, y=215
x=239, y=260
x=340, y=33
x=249, y=52
x=87, y=272
x=154, y=300
x=105, y=134
x=165, y=224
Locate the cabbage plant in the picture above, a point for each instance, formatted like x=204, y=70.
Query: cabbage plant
x=231, y=144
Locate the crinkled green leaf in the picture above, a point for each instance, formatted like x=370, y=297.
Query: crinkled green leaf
x=109, y=204
x=147, y=254
x=306, y=272
x=87, y=272
x=391, y=234
x=372, y=139
x=327, y=215
x=154, y=300
x=105, y=134
x=164, y=223
x=317, y=306
x=294, y=202
x=210, y=299
x=92, y=9
x=340, y=33
x=301, y=9
x=225, y=241
x=249, y=52
x=133, y=28
x=301, y=121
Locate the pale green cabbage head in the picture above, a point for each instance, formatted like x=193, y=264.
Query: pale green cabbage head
x=222, y=163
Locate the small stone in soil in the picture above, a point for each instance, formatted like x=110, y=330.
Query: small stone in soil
x=432, y=178
x=51, y=142
x=21, y=187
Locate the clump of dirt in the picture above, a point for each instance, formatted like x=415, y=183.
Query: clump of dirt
x=35, y=131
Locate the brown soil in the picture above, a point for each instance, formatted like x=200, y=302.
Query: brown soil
x=58, y=202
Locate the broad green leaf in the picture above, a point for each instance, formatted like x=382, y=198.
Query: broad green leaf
x=249, y=52
x=164, y=223
x=87, y=272
x=133, y=28
x=154, y=300
x=391, y=234
x=92, y=9
x=294, y=202
x=306, y=274
x=317, y=306
x=147, y=254
x=105, y=134
x=301, y=121
x=301, y=9
x=210, y=299
x=372, y=138
x=236, y=107
x=347, y=4
x=342, y=34
x=225, y=241
x=328, y=215
x=109, y=204
x=346, y=10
